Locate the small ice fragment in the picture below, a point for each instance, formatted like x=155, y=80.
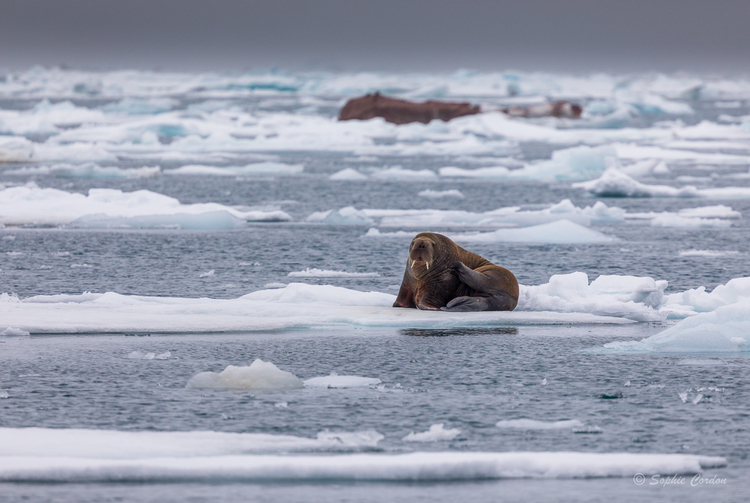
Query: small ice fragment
x=14, y=332
x=259, y=375
x=738, y=340
x=544, y=381
x=337, y=381
x=281, y=405
x=163, y=356
x=207, y=274
x=149, y=356
x=4, y=394
x=434, y=434
x=698, y=398
x=683, y=397
x=135, y=355
x=627, y=383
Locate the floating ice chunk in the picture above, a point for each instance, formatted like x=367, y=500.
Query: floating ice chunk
x=260, y=168
x=337, y=381
x=698, y=398
x=105, y=208
x=135, y=106
x=113, y=445
x=648, y=167
x=344, y=216
x=259, y=375
x=718, y=211
x=623, y=296
x=615, y=183
x=418, y=466
x=140, y=355
x=348, y=174
x=397, y=173
x=577, y=163
x=701, y=362
x=697, y=300
x=562, y=231
x=375, y=233
x=640, y=152
x=437, y=194
x=319, y=273
x=163, y=356
x=14, y=332
x=704, y=333
x=88, y=170
x=690, y=222
x=207, y=273
x=740, y=341
x=436, y=433
x=4, y=394
x=533, y=424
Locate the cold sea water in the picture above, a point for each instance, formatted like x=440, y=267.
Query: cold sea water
x=220, y=186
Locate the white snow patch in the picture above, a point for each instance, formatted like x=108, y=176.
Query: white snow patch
x=344, y=216
x=436, y=433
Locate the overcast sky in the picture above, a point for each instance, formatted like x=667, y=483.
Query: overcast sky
x=401, y=35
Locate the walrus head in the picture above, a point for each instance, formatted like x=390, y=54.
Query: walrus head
x=422, y=252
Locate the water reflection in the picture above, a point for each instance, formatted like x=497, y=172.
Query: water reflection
x=452, y=332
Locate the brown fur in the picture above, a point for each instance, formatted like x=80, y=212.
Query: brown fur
x=433, y=279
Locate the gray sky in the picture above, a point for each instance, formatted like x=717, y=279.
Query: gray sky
x=401, y=35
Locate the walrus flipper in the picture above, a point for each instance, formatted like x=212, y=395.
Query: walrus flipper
x=488, y=283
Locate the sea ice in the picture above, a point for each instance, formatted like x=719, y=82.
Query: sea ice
x=319, y=273
x=438, y=194
x=615, y=183
x=113, y=444
x=397, y=173
x=88, y=170
x=533, y=424
x=417, y=466
x=436, y=433
x=562, y=231
x=259, y=375
x=337, y=381
x=577, y=163
x=255, y=169
x=14, y=332
x=348, y=174
x=106, y=208
x=344, y=216
x=718, y=331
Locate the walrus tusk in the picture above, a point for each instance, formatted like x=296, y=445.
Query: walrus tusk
x=412, y=263
x=427, y=264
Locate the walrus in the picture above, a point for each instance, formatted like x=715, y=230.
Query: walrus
x=440, y=275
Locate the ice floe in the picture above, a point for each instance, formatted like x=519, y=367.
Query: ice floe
x=512, y=216
x=417, y=466
x=562, y=231
x=259, y=375
x=533, y=424
x=439, y=194
x=337, y=381
x=615, y=183
x=320, y=273
x=112, y=208
x=709, y=253
x=436, y=433
x=258, y=168
x=348, y=174
x=88, y=170
x=113, y=444
x=572, y=164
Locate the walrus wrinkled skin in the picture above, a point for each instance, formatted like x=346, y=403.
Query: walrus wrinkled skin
x=440, y=275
